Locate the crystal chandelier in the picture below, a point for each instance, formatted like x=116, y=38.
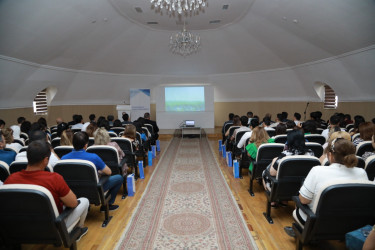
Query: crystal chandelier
x=179, y=5
x=184, y=43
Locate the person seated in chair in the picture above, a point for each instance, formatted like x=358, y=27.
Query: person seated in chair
x=113, y=184
x=366, y=130
x=243, y=127
x=341, y=154
x=5, y=155
x=38, y=153
x=153, y=123
x=9, y=139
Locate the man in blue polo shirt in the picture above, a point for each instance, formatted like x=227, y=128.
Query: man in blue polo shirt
x=80, y=142
x=6, y=156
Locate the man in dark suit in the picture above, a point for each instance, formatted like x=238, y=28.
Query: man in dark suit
x=153, y=123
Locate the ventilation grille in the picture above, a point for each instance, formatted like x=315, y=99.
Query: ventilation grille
x=330, y=98
x=40, y=103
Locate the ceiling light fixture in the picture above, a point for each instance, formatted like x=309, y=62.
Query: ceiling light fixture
x=180, y=6
x=184, y=43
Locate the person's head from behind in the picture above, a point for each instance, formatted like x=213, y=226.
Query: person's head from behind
x=2, y=140
x=8, y=135
x=110, y=118
x=130, y=131
x=335, y=135
x=244, y=120
x=296, y=141
x=366, y=130
x=91, y=128
x=2, y=124
x=250, y=114
x=334, y=120
x=254, y=123
x=297, y=116
x=125, y=117
x=290, y=124
x=92, y=117
x=21, y=119
x=236, y=120
x=80, y=140
x=101, y=137
x=38, y=152
x=343, y=152
x=358, y=119
x=104, y=124
x=259, y=136
x=66, y=138
x=348, y=118
x=280, y=129
x=285, y=115
x=60, y=128
x=117, y=123
x=266, y=121
x=309, y=127
x=42, y=121
x=37, y=135
x=78, y=119
x=100, y=119
x=318, y=114
x=25, y=127
x=231, y=116
x=147, y=116
x=313, y=116
x=279, y=117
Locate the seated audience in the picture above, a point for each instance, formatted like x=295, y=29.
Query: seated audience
x=92, y=118
x=279, y=119
x=154, y=125
x=358, y=119
x=113, y=184
x=290, y=124
x=334, y=121
x=370, y=153
x=366, y=130
x=117, y=123
x=130, y=133
x=102, y=138
x=341, y=154
x=38, y=153
x=236, y=123
x=25, y=127
x=110, y=119
x=17, y=128
x=91, y=128
x=250, y=116
x=60, y=128
x=8, y=136
x=66, y=138
x=297, y=118
x=58, y=120
x=36, y=135
x=295, y=146
x=335, y=135
x=253, y=124
x=2, y=124
x=243, y=127
x=6, y=156
x=309, y=127
x=78, y=119
x=348, y=119
x=125, y=118
x=266, y=124
x=258, y=137
x=280, y=129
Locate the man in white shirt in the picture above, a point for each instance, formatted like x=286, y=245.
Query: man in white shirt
x=17, y=128
x=247, y=135
x=79, y=122
x=243, y=127
x=297, y=118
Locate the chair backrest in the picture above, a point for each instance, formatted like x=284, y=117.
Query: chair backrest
x=29, y=216
x=316, y=138
x=342, y=206
x=146, y=131
x=139, y=138
x=319, y=131
x=370, y=167
x=231, y=130
x=317, y=148
x=108, y=154
x=291, y=173
x=19, y=141
x=124, y=143
x=4, y=171
x=355, y=136
x=265, y=154
x=149, y=127
x=75, y=130
x=118, y=130
x=23, y=149
x=24, y=136
x=227, y=126
x=55, y=142
x=348, y=127
x=112, y=134
x=238, y=136
x=81, y=177
x=17, y=166
x=54, y=135
x=63, y=150
x=361, y=162
x=53, y=128
x=91, y=141
x=289, y=130
x=271, y=133
x=365, y=146
x=281, y=138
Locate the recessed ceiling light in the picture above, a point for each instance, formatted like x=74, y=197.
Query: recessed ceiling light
x=138, y=9
x=215, y=21
x=225, y=6
x=152, y=22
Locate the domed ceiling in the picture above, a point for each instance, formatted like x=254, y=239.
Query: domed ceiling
x=132, y=37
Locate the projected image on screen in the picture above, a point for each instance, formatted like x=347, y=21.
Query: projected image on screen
x=184, y=99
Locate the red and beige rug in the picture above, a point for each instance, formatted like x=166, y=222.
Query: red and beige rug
x=187, y=205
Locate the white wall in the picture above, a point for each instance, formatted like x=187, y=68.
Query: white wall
x=351, y=76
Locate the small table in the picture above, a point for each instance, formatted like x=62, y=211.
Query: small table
x=191, y=131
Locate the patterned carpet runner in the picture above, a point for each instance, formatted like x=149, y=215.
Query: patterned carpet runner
x=187, y=205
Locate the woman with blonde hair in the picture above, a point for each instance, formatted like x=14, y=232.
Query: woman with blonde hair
x=258, y=136
x=9, y=139
x=334, y=135
x=102, y=138
x=66, y=138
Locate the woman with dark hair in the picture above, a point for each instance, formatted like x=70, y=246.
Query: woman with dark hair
x=366, y=130
x=295, y=146
x=103, y=124
x=280, y=129
x=358, y=119
x=117, y=123
x=25, y=127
